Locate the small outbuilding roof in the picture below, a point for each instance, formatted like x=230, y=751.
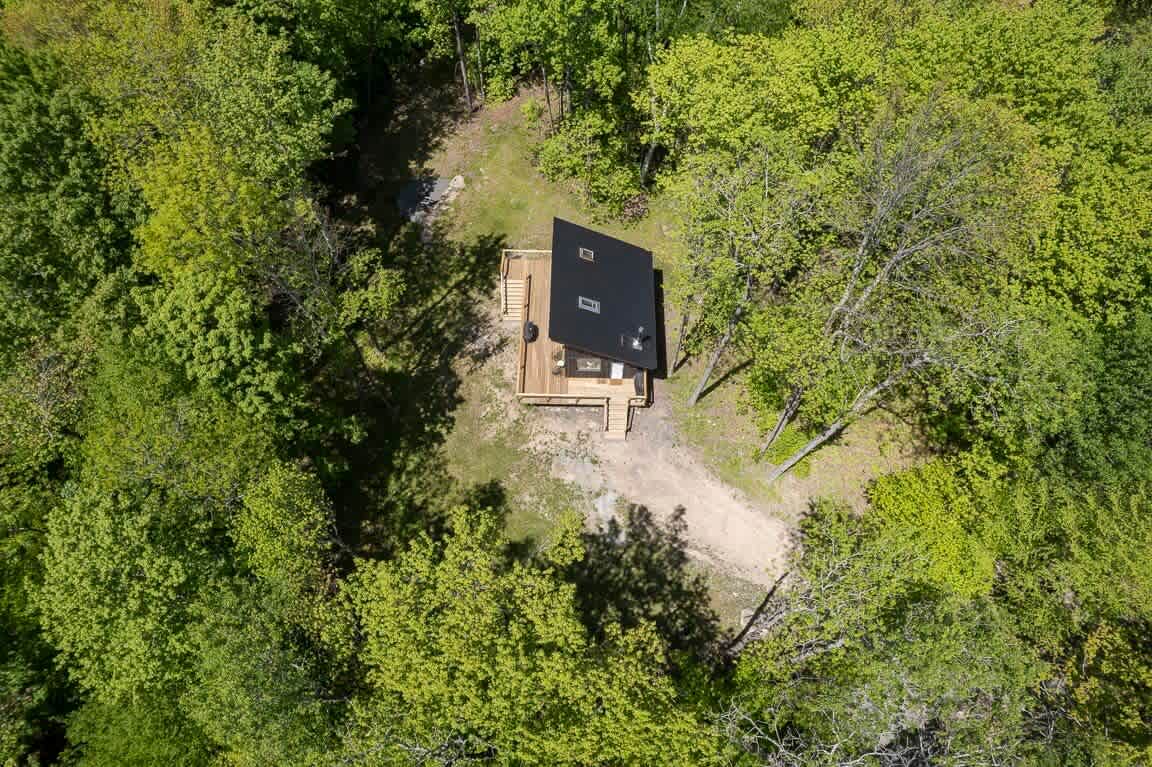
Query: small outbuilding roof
x=603, y=297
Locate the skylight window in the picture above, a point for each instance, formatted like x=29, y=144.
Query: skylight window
x=588, y=304
x=587, y=254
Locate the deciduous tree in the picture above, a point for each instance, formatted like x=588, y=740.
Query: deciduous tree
x=470, y=658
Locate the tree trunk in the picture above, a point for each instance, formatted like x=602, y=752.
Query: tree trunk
x=733, y=321
x=548, y=98
x=790, y=408
x=368, y=78
x=737, y=644
x=370, y=68
x=803, y=452
x=719, y=351
x=566, y=92
x=463, y=61
x=862, y=402
x=646, y=166
x=676, y=360
x=480, y=67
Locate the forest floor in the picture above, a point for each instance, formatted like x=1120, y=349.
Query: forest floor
x=551, y=459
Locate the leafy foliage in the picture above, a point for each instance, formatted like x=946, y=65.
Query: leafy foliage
x=142, y=733
x=59, y=231
x=919, y=677
x=227, y=535
x=507, y=673
x=283, y=526
x=258, y=693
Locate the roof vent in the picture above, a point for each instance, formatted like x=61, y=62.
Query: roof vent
x=587, y=254
x=588, y=304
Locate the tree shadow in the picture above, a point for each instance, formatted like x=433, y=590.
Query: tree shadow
x=637, y=570
x=393, y=399
x=661, y=371
x=719, y=380
x=390, y=481
x=395, y=136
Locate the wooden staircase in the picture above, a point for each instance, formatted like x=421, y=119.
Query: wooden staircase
x=616, y=421
x=512, y=300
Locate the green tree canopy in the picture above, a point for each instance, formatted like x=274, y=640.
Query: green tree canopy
x=470, y=657
x=58, y=230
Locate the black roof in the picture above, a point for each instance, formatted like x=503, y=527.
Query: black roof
x=603, y=293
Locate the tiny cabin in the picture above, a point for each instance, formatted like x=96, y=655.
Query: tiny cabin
x=586, y=315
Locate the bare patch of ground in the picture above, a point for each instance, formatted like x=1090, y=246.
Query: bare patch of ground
x=656, y=469
x=742, y=534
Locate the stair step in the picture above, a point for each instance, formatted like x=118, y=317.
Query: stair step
x=513, y=298
x=617, y=428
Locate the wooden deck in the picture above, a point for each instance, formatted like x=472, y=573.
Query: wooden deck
x=530, y=274
x=540, y=355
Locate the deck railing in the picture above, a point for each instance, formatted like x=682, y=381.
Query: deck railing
x=507, y=255
x=505, y=263
x=521, y=368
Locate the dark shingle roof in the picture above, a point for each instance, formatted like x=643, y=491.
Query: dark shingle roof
x=617, y=281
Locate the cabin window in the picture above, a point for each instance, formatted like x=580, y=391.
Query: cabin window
x=589, y=365
x=588, y=304
x=587, y=254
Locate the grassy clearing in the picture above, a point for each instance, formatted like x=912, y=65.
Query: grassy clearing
x=730, y=596
x=506, y=196
x=728, y=435
x=485, y=448
x=723, y=428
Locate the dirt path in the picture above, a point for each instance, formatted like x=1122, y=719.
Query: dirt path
x=655, y=468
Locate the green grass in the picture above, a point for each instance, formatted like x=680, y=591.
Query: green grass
x=724, y=429
x=728, y=435
x=485, y=446
x=507, y=195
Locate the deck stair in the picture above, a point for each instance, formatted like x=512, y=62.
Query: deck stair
x=512, y=300
x=616, y=427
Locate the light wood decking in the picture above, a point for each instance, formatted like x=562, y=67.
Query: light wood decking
x=541, y=354
x=525, y=291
